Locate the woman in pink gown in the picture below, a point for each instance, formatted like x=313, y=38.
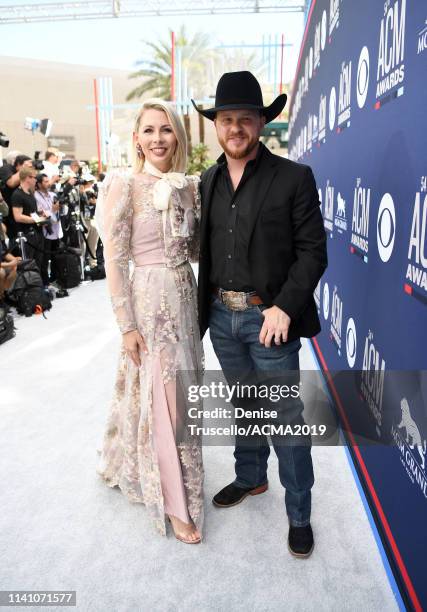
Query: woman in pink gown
x=150, y=216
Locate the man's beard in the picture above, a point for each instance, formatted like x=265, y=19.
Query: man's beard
x=239, y=154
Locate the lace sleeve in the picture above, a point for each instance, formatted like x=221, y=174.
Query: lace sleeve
x=195, y=241
x=117, y=221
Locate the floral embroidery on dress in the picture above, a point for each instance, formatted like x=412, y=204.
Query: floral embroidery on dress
x=159, y=300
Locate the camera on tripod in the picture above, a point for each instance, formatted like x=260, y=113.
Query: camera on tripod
x=38, y=165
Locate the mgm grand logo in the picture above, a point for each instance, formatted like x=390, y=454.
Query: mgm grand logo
x=412, y=447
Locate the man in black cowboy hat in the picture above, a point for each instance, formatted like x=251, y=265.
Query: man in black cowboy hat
x=263, y=251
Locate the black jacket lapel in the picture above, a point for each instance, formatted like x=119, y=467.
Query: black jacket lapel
x=263, y=178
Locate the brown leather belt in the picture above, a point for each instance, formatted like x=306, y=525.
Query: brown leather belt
x=237, y=300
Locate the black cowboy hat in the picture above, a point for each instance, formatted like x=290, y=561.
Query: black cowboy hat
x=237, y=90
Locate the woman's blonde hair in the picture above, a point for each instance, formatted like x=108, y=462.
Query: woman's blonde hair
x=179, y=159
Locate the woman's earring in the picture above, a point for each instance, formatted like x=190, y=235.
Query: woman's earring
x=138, y=150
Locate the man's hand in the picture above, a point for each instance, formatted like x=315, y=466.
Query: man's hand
x=276, y=325
x=133, y=343
x=6, y=265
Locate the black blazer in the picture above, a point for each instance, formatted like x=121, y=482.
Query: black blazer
x=287, y=247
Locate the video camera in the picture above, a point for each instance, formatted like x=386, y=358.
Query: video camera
x=4, y=141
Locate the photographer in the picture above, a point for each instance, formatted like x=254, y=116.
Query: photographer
x=4, y=209
x=51, y=166
x=9, y=173
x=69, y=198
x=9, y=181
x=47, y=206
x=8, y=263
x=24, y=209
x=75, y=167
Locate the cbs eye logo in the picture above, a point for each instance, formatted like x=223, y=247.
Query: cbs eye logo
x=386, y=227
x=351, y=342
x=362, y=77
x=326, y=301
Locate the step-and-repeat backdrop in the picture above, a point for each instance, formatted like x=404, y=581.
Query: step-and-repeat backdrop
x=358, y=117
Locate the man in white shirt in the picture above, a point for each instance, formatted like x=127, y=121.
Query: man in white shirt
x=51, y=166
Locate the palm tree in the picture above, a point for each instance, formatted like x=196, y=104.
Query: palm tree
x=156, y=73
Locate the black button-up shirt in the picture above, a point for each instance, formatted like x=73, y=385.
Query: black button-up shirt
x=229, y=221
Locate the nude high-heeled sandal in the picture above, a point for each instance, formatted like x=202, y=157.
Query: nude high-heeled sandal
x=182, y=538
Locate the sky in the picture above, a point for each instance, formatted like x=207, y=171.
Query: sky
x=117, y=43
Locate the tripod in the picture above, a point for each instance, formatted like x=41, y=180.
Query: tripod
x=21, y=240
x=78, y=226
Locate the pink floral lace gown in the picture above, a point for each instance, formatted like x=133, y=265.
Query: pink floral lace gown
x=139, y=452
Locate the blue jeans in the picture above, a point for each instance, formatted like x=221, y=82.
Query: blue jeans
x=235, y=338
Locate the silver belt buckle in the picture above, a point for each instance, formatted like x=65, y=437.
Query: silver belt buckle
x=234, y=300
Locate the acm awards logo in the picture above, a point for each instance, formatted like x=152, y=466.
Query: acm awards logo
x=336, y=319
x=391, y=52
x=372, y=381
x=386, y=227
x=359, y=244
x=344, y=98
x=340, y=220
x=328, y=213
x=422, y=39
x=412, y=446
x=416, y=272
x=336, y=309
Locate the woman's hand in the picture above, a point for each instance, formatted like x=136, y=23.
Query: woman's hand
x=133, y=343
